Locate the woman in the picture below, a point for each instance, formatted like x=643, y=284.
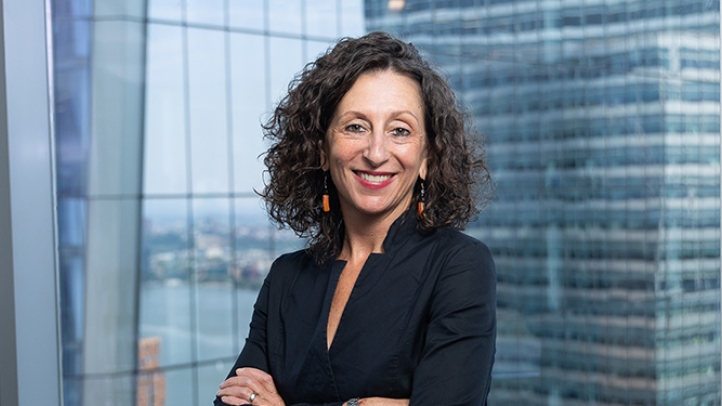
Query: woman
x=389, y=304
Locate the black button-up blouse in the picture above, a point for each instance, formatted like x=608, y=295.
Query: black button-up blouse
x=420, y=323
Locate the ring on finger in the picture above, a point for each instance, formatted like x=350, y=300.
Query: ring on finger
x=252, y=397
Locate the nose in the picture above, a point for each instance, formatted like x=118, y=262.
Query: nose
x=376, y=152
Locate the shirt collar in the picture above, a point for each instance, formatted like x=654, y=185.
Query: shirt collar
x=400, y=231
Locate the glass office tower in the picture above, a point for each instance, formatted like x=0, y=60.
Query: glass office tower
x=602, y=123
x=162, y=240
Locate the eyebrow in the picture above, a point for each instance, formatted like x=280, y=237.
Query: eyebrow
x=393, y=114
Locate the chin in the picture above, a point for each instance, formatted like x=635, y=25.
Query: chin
x=377, y=210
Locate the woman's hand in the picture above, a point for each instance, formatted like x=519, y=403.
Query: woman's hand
x=382, y=402
x=239, y=390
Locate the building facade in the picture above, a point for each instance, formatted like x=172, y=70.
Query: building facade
x=602, y=126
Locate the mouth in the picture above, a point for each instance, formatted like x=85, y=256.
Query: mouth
x=374, y=178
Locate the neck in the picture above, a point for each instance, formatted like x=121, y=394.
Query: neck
x=365, y=235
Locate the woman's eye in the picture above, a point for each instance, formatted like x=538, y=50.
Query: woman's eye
x=354, y=128
x=400, y=132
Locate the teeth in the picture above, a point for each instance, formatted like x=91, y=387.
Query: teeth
x=374, y=178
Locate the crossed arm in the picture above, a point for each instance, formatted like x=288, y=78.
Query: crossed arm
x=238, y=390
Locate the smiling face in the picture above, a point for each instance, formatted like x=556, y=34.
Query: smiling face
x=376, y=145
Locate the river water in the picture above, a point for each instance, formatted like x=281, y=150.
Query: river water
x=201, y=329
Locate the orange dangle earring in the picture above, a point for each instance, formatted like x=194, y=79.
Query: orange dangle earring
x=422, y=197
x=325, y=197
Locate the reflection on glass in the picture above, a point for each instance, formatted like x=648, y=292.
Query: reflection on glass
x=285, y=16
x=165, y=10
x=314, y=49
x=352, y=18
x=286, y=62
x=117, y=97
x=248, y=98
x=205, y=12
x=111, y=260
x=209, y=377
x=211, y=239
x=165, y=296
x=254, y=245
x=72, y=9
x=72, y=105
x=115, y=389
x=165, y=117
x=165, y=313
x=215, y=331
x=71, y=222
x=213, y=256
x=286, y=241
x=322, y=18
x=208, y=111
x=179, y=389
x=183, y=104
x=128, y=8
x=246, y=14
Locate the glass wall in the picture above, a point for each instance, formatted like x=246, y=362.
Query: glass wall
x=163, y=242
x=602, y=123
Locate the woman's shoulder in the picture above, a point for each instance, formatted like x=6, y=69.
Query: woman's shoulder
x=454, y=249
x=292, y=261
x=297, y=268
x=456, y=240
x=461, y=260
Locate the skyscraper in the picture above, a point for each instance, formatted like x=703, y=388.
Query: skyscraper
x=602, y=124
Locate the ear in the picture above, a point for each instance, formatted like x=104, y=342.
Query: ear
x=324, y=161
x=423, y=168
x=323, y=156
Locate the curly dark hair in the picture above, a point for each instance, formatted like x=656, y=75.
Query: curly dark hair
x=457, y=178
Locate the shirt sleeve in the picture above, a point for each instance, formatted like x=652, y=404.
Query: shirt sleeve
x=255, y=352
x=458, y=354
